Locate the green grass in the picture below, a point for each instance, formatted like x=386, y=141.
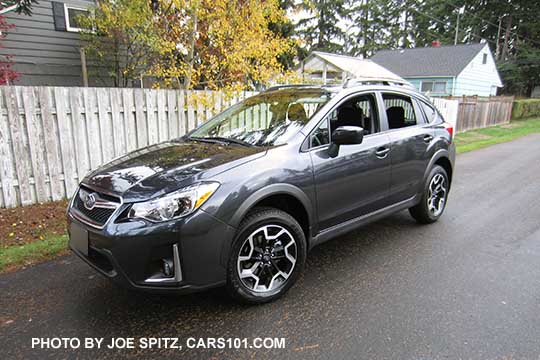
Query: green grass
x=14, y=257
x=477, y=139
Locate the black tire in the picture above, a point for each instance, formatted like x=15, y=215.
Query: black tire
x=421, y=212
x=256, y=219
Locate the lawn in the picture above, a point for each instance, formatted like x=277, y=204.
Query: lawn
x=15, y=257
x=476, y=139
x=36, y=233
x=32, y=234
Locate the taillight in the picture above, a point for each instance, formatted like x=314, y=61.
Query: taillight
x=450, y=130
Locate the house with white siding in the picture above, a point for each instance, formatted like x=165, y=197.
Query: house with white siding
x=328, y=68
x=467, y=69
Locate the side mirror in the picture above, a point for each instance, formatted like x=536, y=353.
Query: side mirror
x=345, y=135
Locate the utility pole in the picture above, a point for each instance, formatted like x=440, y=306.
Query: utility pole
x=498, y=49
x=457, y=26
x=505, y=50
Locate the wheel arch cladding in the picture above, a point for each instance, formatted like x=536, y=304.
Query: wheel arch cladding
x=441, y=158
x=285, y=197
x=445, y=163
x=292, y=206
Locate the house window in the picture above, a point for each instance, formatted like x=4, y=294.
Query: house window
x=438, y=87
x=72, y=14
x=484, y=59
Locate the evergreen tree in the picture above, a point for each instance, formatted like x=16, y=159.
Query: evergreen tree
x=323, y=27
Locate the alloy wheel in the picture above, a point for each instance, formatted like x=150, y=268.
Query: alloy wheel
x=267, y=258
x=436, y=194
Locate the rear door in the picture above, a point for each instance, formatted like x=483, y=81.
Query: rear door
x=411, y=139
x=357, y=180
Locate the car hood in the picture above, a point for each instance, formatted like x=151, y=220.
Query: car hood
x=165, y=167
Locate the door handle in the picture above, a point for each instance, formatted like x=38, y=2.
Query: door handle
x=428, y=138
x=382, y=152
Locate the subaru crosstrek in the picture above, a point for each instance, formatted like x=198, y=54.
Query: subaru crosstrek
x=240, y=200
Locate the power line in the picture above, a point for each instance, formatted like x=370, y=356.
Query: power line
x=489, y=22
x=446, y=23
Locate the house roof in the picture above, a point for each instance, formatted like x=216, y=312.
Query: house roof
x=359, y=68
x=428, y=61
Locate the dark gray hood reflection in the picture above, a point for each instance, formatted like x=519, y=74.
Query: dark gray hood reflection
x=165, y=167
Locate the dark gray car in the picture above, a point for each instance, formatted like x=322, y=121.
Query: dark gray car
x=240, y=200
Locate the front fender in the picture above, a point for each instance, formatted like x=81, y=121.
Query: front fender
x=269, y=190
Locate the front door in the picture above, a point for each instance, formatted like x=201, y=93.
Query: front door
x=357, y=180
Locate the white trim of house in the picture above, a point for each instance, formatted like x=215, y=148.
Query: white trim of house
x=8, y=9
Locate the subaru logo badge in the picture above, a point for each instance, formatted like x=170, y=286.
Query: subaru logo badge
x=89, y=201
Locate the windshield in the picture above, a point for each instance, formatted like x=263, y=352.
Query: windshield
x=270, y=118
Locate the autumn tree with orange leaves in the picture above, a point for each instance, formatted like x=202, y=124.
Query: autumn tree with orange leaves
x=190, y=43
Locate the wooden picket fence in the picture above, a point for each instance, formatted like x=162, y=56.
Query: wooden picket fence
x=51, y=137
x=449, y=110
x=479, y=112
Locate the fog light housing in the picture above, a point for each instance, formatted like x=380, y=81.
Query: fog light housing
x=167, y=267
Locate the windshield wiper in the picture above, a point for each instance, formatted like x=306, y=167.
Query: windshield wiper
x=221, y=139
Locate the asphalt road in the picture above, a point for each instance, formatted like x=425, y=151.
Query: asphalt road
x=466, y=287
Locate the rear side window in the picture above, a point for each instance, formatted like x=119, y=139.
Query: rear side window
x=399, y=111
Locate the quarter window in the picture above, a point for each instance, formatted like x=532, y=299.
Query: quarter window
x=431, y=113
x=399, y=111
x=321, y=135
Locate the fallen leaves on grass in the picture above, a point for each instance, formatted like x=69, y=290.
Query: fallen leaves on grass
x=27, y=224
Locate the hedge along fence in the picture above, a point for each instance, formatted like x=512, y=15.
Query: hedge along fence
x=525, y=108
x=51, y=137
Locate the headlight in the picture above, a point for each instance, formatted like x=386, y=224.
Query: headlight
x=174, y=205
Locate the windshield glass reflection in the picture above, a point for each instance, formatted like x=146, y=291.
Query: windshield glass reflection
x=271, y=118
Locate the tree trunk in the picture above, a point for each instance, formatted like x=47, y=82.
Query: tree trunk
x=320, y=25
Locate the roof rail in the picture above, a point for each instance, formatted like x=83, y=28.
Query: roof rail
x=285, y=86
x=376, y=81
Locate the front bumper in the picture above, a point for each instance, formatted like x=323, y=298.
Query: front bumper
x=131, y=253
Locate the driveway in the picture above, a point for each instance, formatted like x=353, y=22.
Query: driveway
x=467, y=287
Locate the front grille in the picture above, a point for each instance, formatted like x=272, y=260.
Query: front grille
x=103, y=208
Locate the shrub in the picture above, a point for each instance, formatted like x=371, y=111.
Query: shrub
x=525, y=108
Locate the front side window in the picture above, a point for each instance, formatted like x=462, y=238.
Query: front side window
x=399, y=111
x=270, y=118
x=358, y=111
